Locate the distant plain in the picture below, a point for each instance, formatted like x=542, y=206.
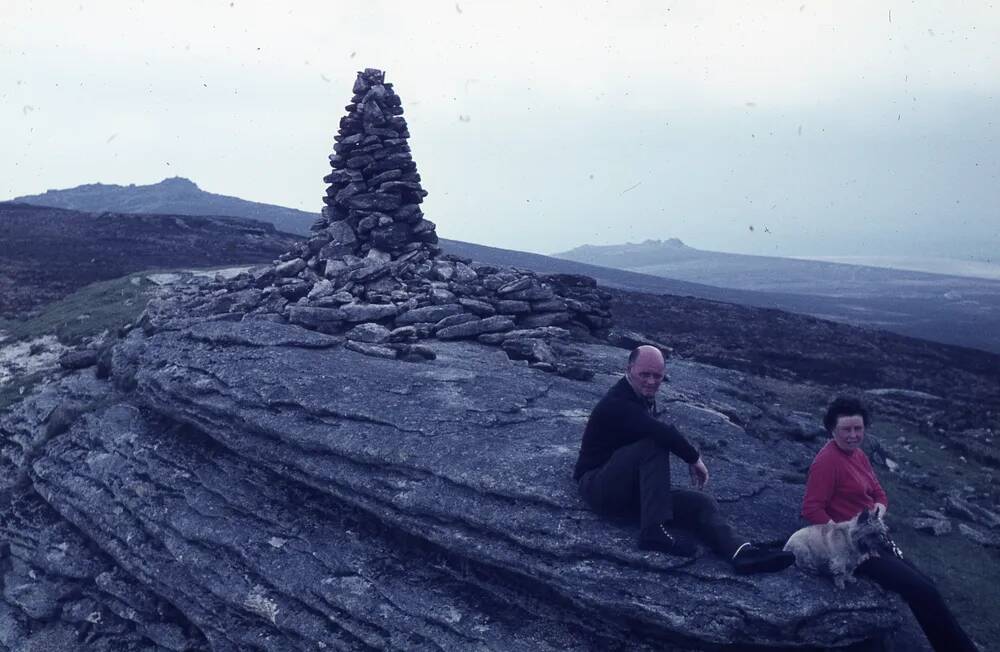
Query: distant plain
x=959, y=310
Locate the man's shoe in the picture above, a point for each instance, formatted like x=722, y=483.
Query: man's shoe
x=756, y=560
x=659, y=539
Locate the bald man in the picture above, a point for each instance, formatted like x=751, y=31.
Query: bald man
x=624, y=467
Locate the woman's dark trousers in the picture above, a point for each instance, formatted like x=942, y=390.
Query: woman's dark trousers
x=937, y=621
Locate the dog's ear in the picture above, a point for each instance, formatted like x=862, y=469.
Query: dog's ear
x=863, y=517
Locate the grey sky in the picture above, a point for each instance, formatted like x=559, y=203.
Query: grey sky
x=845, y=128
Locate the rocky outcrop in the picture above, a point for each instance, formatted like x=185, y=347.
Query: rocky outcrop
x=256, y=485
x=418, y=309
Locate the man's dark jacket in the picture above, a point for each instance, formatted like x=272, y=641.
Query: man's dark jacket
x=621, y=418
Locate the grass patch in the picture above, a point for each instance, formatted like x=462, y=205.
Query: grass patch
x=88, y=312
x=105, y=305
x=91, y=310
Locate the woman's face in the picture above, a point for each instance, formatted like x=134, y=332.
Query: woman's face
x=849, y=432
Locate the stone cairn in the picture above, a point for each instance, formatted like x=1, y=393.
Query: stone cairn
x=373, y=271
x=373, y=202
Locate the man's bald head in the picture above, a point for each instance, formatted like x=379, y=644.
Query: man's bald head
x=645, y=370
x=645, y=350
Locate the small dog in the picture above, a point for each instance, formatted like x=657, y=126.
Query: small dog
x=838, y=548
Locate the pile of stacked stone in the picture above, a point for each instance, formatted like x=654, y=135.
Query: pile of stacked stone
x=373, y=201
x=373, y=272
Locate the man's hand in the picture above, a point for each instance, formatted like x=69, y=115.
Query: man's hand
x=699, y=473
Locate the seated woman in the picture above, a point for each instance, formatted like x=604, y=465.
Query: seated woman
x=841, y=484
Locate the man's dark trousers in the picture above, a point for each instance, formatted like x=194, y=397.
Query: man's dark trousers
x=637, y=478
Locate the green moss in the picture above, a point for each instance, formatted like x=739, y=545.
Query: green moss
x=99, y=307
x=105, y=305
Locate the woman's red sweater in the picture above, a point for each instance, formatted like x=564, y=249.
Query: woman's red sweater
x=840, y=485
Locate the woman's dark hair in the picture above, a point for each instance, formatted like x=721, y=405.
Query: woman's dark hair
x=845, y=406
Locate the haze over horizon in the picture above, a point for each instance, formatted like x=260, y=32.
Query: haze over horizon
x=834, y=129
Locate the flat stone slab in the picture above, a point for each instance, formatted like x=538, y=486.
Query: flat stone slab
x=471, y=454
x=263, y=333
x=231, y=542
x=254, y=485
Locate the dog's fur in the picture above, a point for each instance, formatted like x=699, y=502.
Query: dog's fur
x=838, y=548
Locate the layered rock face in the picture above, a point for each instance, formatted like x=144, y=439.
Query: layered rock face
x=256, y=485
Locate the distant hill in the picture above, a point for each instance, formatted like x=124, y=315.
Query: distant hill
x=608, y=276
x=674, y=259
x=650, y=252
x=175, y=196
